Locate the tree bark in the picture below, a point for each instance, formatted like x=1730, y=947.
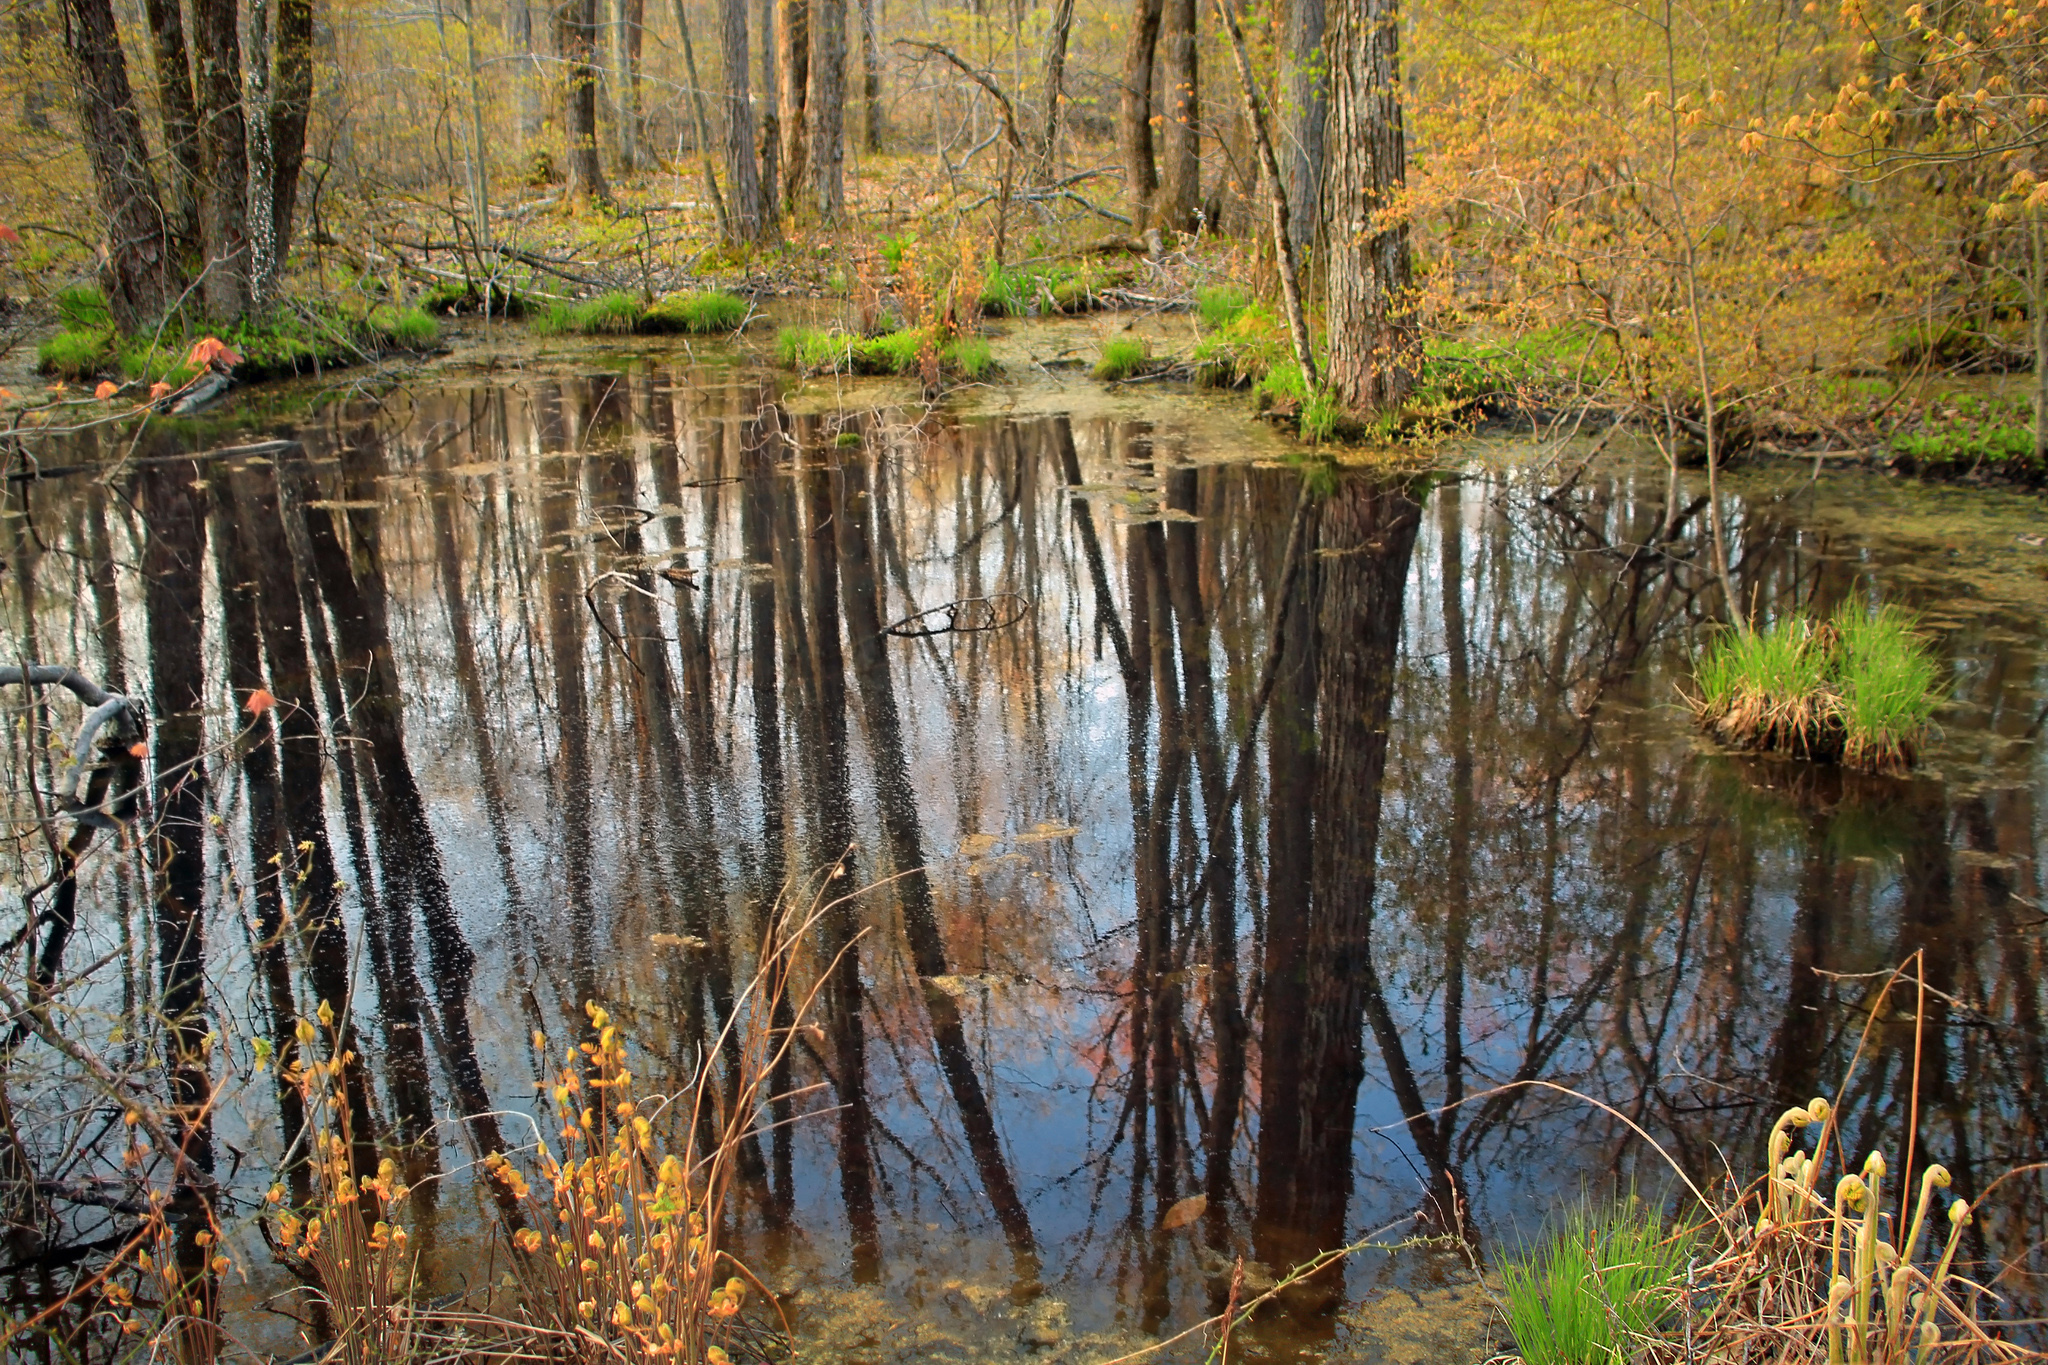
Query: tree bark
x=769, y=138
x=138, y=274
x=1135, y=126
x=792, y=74
x=224, y=153
x=1055, y=73
x=825, y=109
x=870, y=80
x=577, y=30
x=519, y=22
x=1305, y=96
x=2037, y=318
x=291, y=101
x=632, y=21
x=702, y=124
x=1180, y=177
x=180, y=115
x=1373, y=347
x=748, y=212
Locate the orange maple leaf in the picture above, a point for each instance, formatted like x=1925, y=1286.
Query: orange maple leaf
x=138, y=750
x=6, y=397
x=159, y=389
x=208, y=350
x=9, y=235
x=259, y=701
x=107, y=389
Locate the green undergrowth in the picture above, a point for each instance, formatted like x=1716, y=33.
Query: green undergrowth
x=1049, y=287
x=463, y=296
x=906, y=351
x=708, y=313
x=1969, y=436
x=301, y=338
x=1859, y=688
x=1595, y=1286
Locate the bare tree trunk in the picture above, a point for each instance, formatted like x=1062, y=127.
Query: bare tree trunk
x=519, y=14
x=1135, y=126
x=224, y=149
x=291, y=101
x=1180, y=177
x=138, y=272
x=702, y=124
x=264, y=254
x=792, y=74
x=769, y=139
x=870, y=80
x=2037, y=317
x=577, y=36
x=1373, y=347
x=749, y=216
x=825, y=110
x=632, y=22
x=1305, y=97
x=1049, y=100
x=180, y=116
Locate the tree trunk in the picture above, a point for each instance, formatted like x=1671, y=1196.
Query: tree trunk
x=519, y=21
x=1305, y=96
x=1373, y=347
x=2037, y=317
x=825, y=109
x=1180, y=177
x=1135, y=126
x=291, y=100
x=180, y=116
x=632, y=19
x=224, y=151
x=264, y=255
x=1049, y=100
x=769, y=138
x=870, y=80
x=702, y=125
x=138, y=274
x=577, y=29
x=792, y=72
x=742, y=175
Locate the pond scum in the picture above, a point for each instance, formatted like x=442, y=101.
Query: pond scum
x=1858, y=688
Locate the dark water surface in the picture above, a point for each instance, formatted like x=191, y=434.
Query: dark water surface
x=578, y=669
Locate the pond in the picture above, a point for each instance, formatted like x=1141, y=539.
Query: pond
x=578, y=664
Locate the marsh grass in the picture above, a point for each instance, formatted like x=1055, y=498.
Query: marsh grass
x=1122, y=357
x=1596, y=1284
x=707, y=313
x=1219, y=305
x=1859, y=688
x=927, y=352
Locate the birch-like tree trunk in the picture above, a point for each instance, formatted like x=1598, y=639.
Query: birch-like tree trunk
x=1373, y=346
x=1049, y=98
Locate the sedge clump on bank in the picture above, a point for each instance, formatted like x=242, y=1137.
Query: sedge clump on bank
x=1599, y=1282
x=1858, y=688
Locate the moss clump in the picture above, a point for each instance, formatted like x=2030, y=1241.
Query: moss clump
x=1859, y=688
x=971, y=356
x=75, y=354
x=906, y=351
x=705, y=314
x=613, y=314
x=1122, y=357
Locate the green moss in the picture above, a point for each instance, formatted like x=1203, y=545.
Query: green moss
x=1058, y=287
x=77, y=353
x=1122, y=357
x=813, y=350
x=1220, y=304
x=1243, y=350
x=846, y=440
x=409, y=328
x=462, y=296
x=708, y=313
x=899, y=352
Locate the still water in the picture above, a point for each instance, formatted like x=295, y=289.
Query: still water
x=577, y=668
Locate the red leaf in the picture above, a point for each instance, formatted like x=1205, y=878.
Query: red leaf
x=138, y=750
x=259, y=701
x=9, y=235
x=208, y=350
x=107, y=389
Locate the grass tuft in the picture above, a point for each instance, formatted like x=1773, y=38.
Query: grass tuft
x=79, y=352
x=83, y=306
x=1595, y=1285
x=1122, y=357
x=1220, y=304
x=971, y=356
x=709, y=313
x=1859, y=688
x=410, y=328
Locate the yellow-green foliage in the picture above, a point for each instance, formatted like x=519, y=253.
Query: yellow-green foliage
x=1122, y=357
x=707, y=313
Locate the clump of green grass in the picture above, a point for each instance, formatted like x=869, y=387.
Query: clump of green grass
x=1859, y=688
x=708, y=313
x=898, y=352
x=1588, y=1291
x=77, y=353
x=1244, y=350
x=1122, y=357
x=971, y=356
x=410, y=328
x=1220, y=304
x=1058, y=287
x=905, y=351
x=613, y=314
x=83, y=306
x=813, y=350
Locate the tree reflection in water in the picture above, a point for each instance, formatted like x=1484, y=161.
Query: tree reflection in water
x=588, y=667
